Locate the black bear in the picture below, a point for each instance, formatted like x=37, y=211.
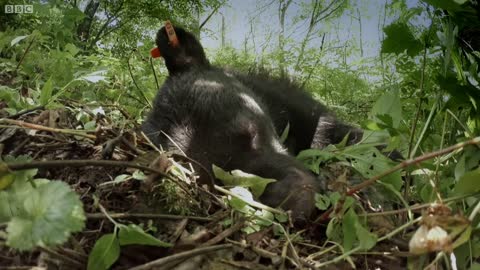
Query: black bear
x=233, y=120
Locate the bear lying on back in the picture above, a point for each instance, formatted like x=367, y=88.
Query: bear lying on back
x=234, y=120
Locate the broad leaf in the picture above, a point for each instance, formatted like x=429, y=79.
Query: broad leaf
x=122, y=178
x=369, y=162
x=132, y=234
x=241, y=200
x=322, y=202
x=266, y=218
x=388, y=109
x=468, y=183
x=51, y=212
x=256, y=184
x=72, y=49
x=105, y=252
x=366, y=239
x=399, y=38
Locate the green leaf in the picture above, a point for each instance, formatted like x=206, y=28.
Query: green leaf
x=90, y=125
x=462, y=94
x=11, y=97
x=462, y=233
x=241, y=200
x=368, y=161
x=315, y=153
x=133, y=234
x=12, y=198
x=427, y=193
x=71, y=16
x=348, y=228
x=366, y=239
x=6, y=177
x=322, y=202
x=388, y=106
x=449, y=5
x=6, y=180
x=265, y=218
x=72, y=49
x=312, y=158
x=23, y=175
x=399, y=38
x=460, y=168
x=105, y=252
x=375, y=136
x=46, y=92
x=139, y=175
x=122, y=178
x=372, y=125
x=281, y=217
x=256, y=183
x=50, y=213
x=468, y=183
x=333, y=230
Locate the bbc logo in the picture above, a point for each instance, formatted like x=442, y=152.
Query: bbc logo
x=18, y=9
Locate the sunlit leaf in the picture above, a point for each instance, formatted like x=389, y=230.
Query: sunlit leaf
x=139, y=175
x=256, y=184
x=241, y=200
x=122, y=178
x=265, y=218
x=17, y=40
x=72, y=49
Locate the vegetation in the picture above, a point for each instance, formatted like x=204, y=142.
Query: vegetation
x=75, y=76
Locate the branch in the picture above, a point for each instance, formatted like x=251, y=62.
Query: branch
x=115, y=15
x=331, y=12
x=404, y=164
x=180, y=256
x=49, y=129
x=210, y=15
x=409, y=162
x=17, y=166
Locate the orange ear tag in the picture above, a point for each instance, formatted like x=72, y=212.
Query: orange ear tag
x=172, y=36
x=155, y=53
